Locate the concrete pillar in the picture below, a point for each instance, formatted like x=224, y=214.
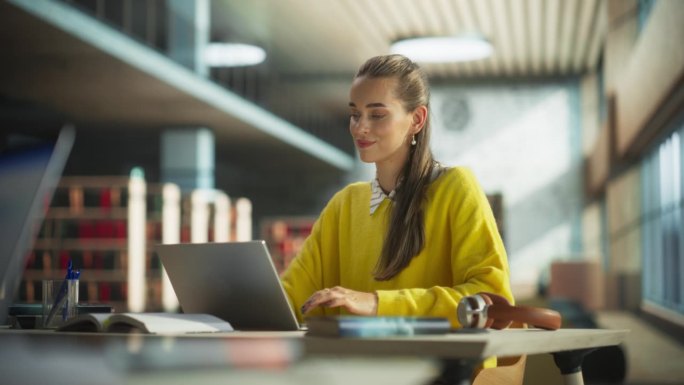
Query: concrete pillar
x=187, y=158
x=188, y=154
x=188, y=33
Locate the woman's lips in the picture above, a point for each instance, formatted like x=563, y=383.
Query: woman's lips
x=364, y=143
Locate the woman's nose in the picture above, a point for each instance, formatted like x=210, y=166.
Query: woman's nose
x=361, y=125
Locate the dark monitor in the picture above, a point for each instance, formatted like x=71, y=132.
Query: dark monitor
x=30, y=168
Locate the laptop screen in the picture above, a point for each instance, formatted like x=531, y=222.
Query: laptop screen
x=29, y=171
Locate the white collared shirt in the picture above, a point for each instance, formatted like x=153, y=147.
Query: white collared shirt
x=377, y=195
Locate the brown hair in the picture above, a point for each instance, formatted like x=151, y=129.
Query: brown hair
x=406, y=233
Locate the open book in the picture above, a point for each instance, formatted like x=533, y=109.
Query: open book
x=153, y=323
x=359, y=326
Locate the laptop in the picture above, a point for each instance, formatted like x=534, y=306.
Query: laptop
x=30, y=167
x=235, y=281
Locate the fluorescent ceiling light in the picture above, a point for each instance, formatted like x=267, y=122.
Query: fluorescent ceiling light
x=233, y=55
x=444, y=49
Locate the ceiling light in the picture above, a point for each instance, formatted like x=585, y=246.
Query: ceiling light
x=233, y=55
x=444, y=49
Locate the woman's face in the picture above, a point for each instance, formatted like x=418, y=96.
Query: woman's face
x=378, y=123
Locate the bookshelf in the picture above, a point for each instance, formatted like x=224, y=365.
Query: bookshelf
x=285, y=237
x=89, y=222
x=108, y=226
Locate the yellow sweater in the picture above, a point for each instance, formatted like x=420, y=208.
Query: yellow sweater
x=463, y=252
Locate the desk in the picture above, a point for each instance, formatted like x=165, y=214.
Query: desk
x=460, y=352
x=269, y=357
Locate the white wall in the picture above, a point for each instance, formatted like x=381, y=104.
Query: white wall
x=523, y=141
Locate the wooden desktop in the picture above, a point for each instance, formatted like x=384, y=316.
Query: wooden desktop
x=40, y=356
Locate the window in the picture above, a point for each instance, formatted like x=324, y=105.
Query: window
x=663, y=223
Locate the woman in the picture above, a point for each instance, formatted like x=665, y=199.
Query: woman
x=417, y=238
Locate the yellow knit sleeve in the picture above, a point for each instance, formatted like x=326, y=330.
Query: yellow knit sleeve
x=305, y=274
x=302, y=276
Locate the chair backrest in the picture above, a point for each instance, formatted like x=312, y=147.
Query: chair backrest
x=509, y=370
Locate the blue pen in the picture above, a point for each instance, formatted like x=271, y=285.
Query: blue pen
x=72, y=275
x=61, y=296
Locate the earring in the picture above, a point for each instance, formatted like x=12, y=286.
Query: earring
x=413, y=142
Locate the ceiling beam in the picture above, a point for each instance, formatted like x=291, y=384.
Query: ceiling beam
x=519, y=25
x=586, y=28
x=486, y=27
x=598, y=37
x=374, y=33
x=535, y=9
x=435, y=17
x=553, y=22
x=569, y=30
x=505, y=40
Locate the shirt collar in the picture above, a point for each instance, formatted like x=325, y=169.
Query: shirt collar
x=377, y=195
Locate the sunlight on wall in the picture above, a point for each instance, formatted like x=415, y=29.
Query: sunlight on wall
x=525, y=155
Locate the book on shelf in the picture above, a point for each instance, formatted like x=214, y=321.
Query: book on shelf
x=383, y=326
x=149, y=323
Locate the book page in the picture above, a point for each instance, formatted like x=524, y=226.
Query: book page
x=91, y=322
x=170, y=323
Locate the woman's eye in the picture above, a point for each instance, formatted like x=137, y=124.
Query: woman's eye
x=354, y=116
x=377, y=116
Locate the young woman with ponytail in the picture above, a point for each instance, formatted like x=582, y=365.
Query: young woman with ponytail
x=413, y=241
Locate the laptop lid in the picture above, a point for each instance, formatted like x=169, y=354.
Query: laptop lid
x=30, y=167
x=234, y=281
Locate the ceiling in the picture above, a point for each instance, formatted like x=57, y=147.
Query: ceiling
x=315, y=47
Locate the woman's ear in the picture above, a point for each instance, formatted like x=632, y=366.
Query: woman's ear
x=420, y=115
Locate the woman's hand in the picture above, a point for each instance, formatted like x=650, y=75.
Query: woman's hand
x=356, y=302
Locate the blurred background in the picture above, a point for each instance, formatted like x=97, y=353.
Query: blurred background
x=570, y=114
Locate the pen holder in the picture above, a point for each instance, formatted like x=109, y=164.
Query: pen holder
x=60, y=300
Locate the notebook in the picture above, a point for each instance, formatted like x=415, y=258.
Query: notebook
x=235, y=281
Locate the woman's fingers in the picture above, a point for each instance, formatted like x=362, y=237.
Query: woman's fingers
x=355, y=302
x=322, y=296
x=316, y=300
